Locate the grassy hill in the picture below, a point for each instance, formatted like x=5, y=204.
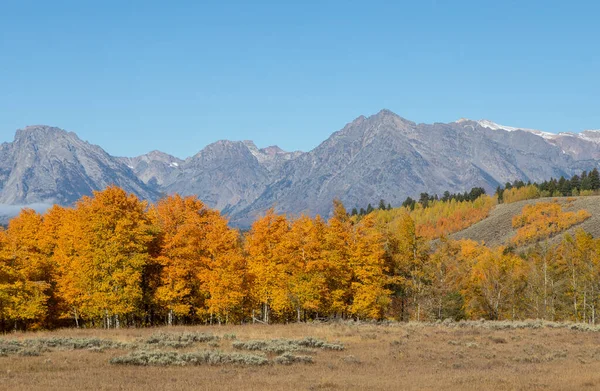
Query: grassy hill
x=497, y=228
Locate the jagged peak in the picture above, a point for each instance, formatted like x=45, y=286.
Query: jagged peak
x=386, y=113
x=40, y=129
x=272, y=150
x=250, y=144
x=159, y=154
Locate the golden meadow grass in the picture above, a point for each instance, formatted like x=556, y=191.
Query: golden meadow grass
x=526, y=355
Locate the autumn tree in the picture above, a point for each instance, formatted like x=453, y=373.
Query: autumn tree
x=267, y=263
x=405, y=256
x=496, y=281
x=370, y=296
x=337, y=257
x=308, y=288
x=104, y=254
x=201, y=268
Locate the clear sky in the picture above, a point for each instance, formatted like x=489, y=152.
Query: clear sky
x=133, y=76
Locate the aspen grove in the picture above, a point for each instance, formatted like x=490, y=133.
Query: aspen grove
x=114, y=261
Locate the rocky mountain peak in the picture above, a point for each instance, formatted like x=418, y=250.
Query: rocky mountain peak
x=34, y=133
x=272, y=150
x=379, y=156
x=47, y=163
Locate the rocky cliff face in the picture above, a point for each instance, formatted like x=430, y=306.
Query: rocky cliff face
x=154, y=168
x=381, y=156
x=46, y=164
x=386, y=156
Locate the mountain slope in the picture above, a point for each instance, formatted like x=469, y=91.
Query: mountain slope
x=46, y=164
x=497, y=228
x=386, y=156
x=154, y=168
x=380, y=156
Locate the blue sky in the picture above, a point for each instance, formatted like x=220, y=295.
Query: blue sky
x=133, y=76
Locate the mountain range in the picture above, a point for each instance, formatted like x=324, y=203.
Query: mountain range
x=383, y=156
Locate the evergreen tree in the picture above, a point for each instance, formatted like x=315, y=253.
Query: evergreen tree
x=500, y=193
x=562, y=186
x=594, y=179
x=575, y=182
x=409, y=203
x=424, y=199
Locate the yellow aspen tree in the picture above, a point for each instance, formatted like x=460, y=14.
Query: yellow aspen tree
x=110, y=250
x=267, y=260
x=308, y=283
x=406, y=256
x=586, y=249
x=224, y=270
x=370, y=298
x=338, y=256
x=32, y=270
x=496, y=281
x=572, y=267
x=446, y=270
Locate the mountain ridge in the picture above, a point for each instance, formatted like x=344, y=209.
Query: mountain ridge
x=379, y=156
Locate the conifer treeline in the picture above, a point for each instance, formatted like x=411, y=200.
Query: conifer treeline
x=113, y=261
x=584, y=184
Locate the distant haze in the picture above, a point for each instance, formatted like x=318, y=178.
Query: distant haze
x=8, y=211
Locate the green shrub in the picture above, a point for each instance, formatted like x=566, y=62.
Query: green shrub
x=208, y=357
x=280, y=346
x=36, y=346
x=179, y=340
x=289, y=358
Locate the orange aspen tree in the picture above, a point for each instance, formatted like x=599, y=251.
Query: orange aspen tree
x=73, y=270
x=182, y=223
x=224, y=272
x=201, y=264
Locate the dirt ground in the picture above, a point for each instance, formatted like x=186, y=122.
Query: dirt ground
x=471, y=356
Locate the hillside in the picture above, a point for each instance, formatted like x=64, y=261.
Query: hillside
x=497, y=229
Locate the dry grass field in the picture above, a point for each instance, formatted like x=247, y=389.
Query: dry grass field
x=396, y=356
x=497, y=229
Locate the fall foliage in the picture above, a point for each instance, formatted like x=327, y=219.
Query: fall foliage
x=542, y=220
x=443, y=218
x=516, y=194
x=112, y=260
